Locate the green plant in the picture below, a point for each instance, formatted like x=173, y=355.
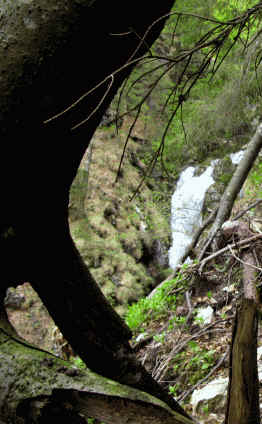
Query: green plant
x=191, y=365
x=209, y=294
x=173, y=390
x=205, y=409
x=199, y=320
x=162, y=302
x=77, y=362
x=160, y=337
x=201, y=358
x=255, y=179
x=176, y=320
x=93, y=421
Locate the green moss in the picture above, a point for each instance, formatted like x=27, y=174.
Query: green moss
x=110, y=238
x=36, y=378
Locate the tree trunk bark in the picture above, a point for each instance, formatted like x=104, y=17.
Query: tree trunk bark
x=92, y=327
x=243, y=390
x=234, y=187
x=36, y=387
x=52, y=52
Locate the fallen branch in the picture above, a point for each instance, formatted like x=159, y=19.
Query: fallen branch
x=159, y=375
x=230, y=246
x=242, y=262
x=253, y=205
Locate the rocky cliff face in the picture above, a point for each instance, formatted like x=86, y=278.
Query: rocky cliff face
x=123, y=242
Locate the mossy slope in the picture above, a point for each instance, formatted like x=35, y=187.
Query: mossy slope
x=123, y=242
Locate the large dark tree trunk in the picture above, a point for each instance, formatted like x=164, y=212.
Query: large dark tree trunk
x=36, y=387
x=52, y=52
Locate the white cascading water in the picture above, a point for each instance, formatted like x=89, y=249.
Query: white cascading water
x=237, y=156
x=186, y=207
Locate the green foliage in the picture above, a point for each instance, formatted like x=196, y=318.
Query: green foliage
x=202, y=358
x=205, y=409
x=160, y=337
x=94, y=421
x=217, y=107
x=193, y=364
x=173, y=390
x=155, y=307
x=209, y=294
x=225, y=10
x=255, y=178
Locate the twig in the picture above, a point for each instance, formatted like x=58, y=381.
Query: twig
x=207, y=244
x=182, y=345
x=230, y=246
x=190, y=309
x=199, y=334
x=253, y=205
x=220, y=362
x=188, y=250
x=98, y=106
x=74, y=104
x=242, y=262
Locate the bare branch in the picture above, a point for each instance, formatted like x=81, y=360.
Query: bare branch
x=252, y=206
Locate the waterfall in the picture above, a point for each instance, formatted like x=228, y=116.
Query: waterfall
x=186, y=207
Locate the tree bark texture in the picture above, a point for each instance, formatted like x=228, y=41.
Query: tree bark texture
x=239, y=177
x=243, y=391
x=52, y=52
x=36, y=387
x=235, y=185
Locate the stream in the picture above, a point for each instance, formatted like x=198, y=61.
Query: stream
x=186, y=207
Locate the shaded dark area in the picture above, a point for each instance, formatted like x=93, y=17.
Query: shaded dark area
x=34, y=231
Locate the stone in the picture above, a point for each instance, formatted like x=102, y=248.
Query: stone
x=213, y=395
x=205, y=315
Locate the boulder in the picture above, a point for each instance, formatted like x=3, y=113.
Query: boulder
x=213, y=396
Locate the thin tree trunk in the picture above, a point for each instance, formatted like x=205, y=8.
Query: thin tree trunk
x=234, y=187
x=243, y=390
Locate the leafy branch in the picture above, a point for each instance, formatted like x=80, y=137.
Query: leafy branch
x=212, y=49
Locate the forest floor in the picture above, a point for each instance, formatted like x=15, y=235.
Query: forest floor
x=181, y=350
x=177, y=346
